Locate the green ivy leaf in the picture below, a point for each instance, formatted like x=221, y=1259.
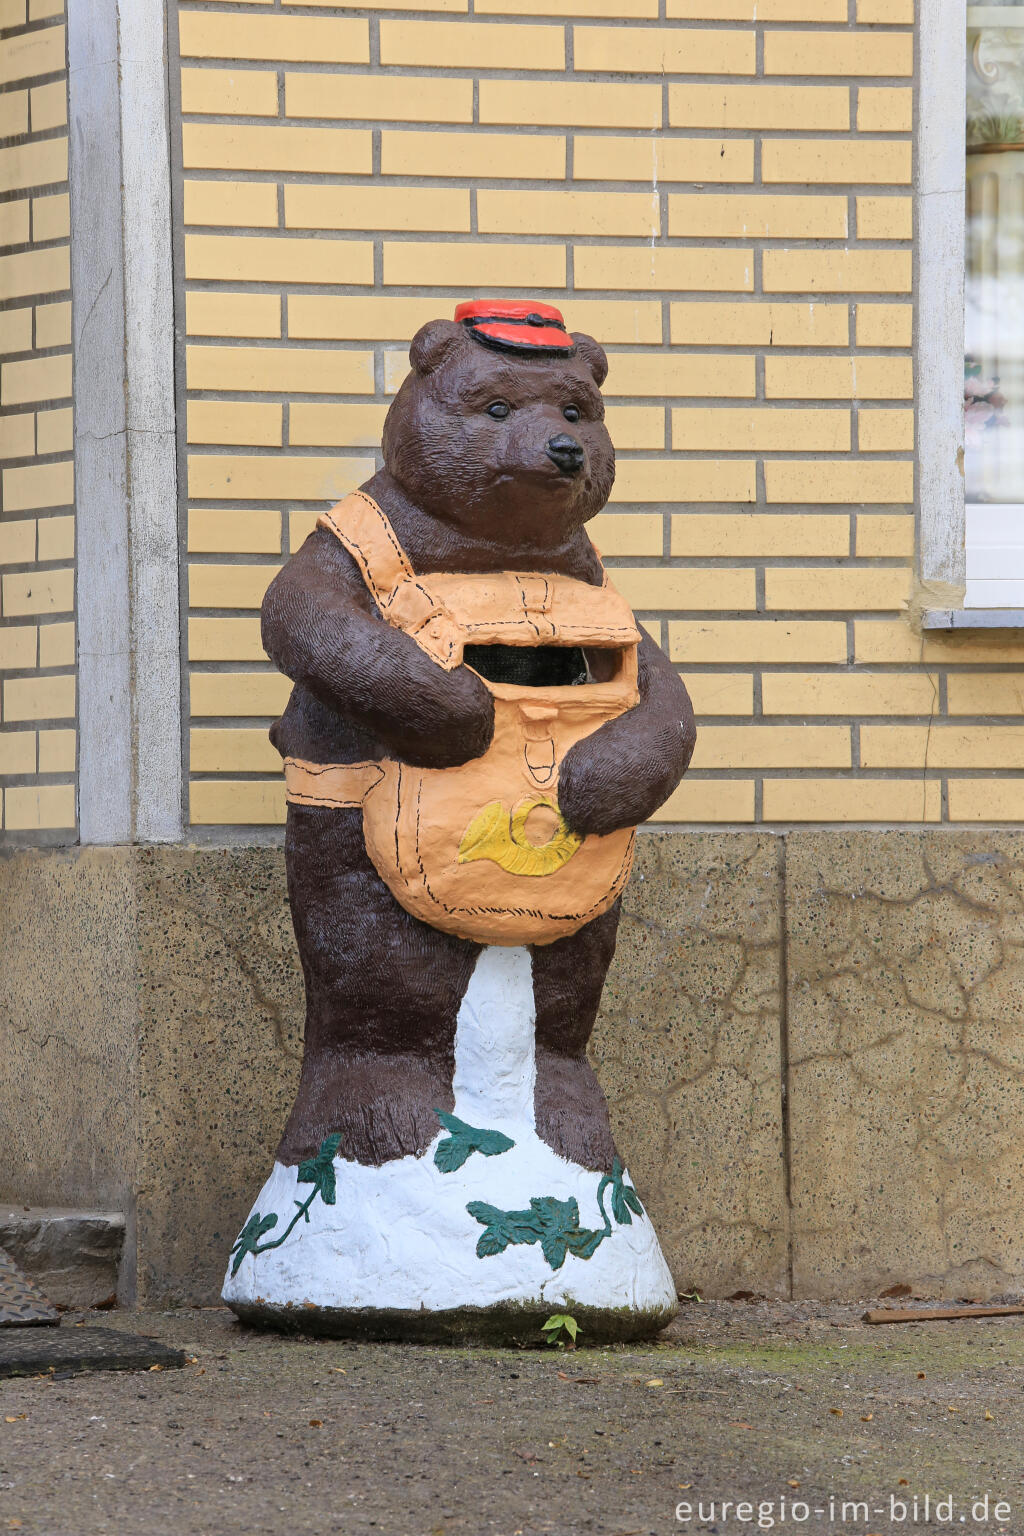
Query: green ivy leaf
x=554, y=1224
x=464, y=1140
x=319, y=1170
x=255, y=1228
x=624, y=1197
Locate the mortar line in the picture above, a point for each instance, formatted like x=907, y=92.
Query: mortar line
x=784, y=1059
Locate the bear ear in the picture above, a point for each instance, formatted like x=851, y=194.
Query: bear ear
x=593, y=354
x=434, y=343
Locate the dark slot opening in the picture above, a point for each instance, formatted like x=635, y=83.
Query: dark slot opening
x=527, y=666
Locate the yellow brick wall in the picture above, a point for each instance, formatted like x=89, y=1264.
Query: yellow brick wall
x=719, y=190
x=38, y=738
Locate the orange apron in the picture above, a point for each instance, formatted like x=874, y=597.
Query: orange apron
x=482, y=850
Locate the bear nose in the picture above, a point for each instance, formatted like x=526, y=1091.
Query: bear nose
x=566, y=452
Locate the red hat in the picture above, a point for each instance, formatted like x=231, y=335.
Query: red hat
x=517, y=325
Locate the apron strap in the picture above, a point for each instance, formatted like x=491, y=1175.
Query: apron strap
x=340, y=785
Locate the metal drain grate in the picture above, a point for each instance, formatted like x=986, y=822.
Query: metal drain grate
x=21, y=1304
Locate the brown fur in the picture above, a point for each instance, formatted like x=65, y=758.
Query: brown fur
x=464, y=492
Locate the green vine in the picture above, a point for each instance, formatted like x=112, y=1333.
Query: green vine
x=318, y=1171
x=555, y=1224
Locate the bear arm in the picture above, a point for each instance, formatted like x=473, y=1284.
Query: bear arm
x=321, y=632
x=619, y=776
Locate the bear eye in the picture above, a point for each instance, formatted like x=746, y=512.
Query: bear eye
x=571, y=413
x=499, y=410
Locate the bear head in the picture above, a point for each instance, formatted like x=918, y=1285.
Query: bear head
x=508, y=447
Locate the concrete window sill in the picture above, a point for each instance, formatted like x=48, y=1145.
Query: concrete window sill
x=973, y=618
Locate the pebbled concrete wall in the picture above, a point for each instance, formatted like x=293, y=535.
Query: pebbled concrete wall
x=810, y=1045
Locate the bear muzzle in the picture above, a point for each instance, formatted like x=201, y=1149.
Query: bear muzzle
x=566, y=453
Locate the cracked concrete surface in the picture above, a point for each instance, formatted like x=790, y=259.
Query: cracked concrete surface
x=824, y=1117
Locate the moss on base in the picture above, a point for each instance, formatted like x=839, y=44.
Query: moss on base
x=517, y=1323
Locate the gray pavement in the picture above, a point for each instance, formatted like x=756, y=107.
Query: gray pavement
x=742, y=1402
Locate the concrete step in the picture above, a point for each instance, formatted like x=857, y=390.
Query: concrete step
x=72, y=1256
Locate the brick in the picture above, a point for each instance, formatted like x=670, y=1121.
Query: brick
x=753, y=640
x=838, y=53
x=380, y=98
x=885, y=218
x=731, y=429
x=13, y=114
x=568, y=213
x=772, y=746
x=229, y=92
x=373, y=208
x=664, y=51
x=244, y=147
x=232, y=751
x=985, y=693
x=721, y=693
x=757, y=216
x=33, y=165
x=901, y=13
x=885, y=109
x=34, y=53
x=636, y=426
x=39, y=485
x=15, y=329
x=848, y=693
x=233, y=530
x=837, y=271
x=48, y=106
x=575, y=103
x=39, y=808
x=245, y=203
x=709, y=800
x=18, y=542
x=36, y=272
x=885, y=431
x=838, y=378
x=245, y=695
x=760, y=325
x=884, y=325
x=243, y=803
x=770, y=534
x=473, y=155
x=53, y=325
x=836, y=160
x=15, y=223
x=442, y=263
x=725, y=105
x=38, y=592
x=986, y=799
x=648, y=268
x=234, y=421
x=57, y=645
x=316, y=425
x=229, y=585
x=614, y=321
x=17, y=751
x=657, y=160
x=277, y=259
x=233, y=314
x=279, y=477
x=300, y=526
x=290, y=39
x=51, y=217
x=884, y=533
x=43, y=10
x=942, y=746
x=627, y=533
x=857, y=799
x=472, y=45
x=692, y=480
x=56, y=539
x=393, y=5
x=679, y=373
x=756, y=10
x=838, y=481
x=18, y=647
x=697, y=591
x=225, y=640
x=280, y=370
x=17, y=436
x=369, y=317
x=39, y=698
x=58, y=751
x=37, y=378
x=632, y=10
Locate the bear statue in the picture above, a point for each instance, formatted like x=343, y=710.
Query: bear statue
x=476, y=729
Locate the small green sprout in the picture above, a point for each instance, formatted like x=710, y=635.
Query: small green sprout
x=561, y=1323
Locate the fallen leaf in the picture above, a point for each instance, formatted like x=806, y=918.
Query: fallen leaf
x=740, y=1424
x=950, y=1409
x=339, y=1369
x=14, y=1525
x=481, y=1402
x=655, y=1381
x=988, y=1415
x=866, y=1418
x=793, y=1482
x=904, y=1483
x=316, y=1423
x=684, y=1485
x=585, y=1381
x=837, y=1411
x=563, y=1376
x=156, y=1367
x=920, y=1375
x=12, y=1418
